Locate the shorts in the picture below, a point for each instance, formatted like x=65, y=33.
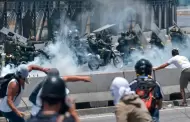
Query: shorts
x=184, y=78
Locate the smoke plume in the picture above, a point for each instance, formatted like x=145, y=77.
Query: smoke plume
x=120, y=12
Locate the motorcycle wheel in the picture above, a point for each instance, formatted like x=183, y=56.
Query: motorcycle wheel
x=93, y=63
x=43, y=54
x=118, y=62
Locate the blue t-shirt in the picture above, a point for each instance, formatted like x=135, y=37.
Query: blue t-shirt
x=158, y=94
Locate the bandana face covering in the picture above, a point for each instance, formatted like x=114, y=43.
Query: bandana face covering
x=119, y=88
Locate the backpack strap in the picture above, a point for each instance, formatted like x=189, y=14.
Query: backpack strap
x=19, y=88
x=19, y=85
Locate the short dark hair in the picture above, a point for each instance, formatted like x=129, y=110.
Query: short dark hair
x=53, y=71
x=175, y=52
x=52, y=101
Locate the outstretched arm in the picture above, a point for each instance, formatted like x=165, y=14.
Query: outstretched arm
x=72, y=109
x=77, y=78
x=36, y=67
x=162, y=66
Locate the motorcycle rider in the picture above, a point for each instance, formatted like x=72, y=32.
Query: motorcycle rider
x=132, y=39
x=104, y=49
x=92, y=43
x=99, y=47
x=122, y=43
x=156, y=41
x=143, y=69
x=177, y=37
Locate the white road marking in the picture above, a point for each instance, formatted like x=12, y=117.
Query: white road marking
x=179, y=108
x=112, y=115
x=97, y=116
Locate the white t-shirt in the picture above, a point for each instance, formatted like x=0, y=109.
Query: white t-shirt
x=36, y=108
x=180, y=62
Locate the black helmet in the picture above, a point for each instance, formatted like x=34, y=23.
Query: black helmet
x=122, y=33
x=143, y=67
x=175, y=52
x=53, y=87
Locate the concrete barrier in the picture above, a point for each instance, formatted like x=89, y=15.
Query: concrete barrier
x=33, y=83
x=98, y=89
x=168, y=77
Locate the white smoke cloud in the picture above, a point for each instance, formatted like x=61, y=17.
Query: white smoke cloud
x=63, y=59
x=7, y=69
x=111, y=12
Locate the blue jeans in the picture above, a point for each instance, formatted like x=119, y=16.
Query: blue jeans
x=155, y=115
x=12, y=117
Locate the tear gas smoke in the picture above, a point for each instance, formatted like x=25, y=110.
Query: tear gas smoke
x=111, y=12
x=158, y=56
x=63, y=58
x=120, y=12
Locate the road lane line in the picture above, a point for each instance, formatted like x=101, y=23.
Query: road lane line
x=97, y=116
x=170, y=109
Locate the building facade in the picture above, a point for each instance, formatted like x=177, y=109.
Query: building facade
x=42, y=18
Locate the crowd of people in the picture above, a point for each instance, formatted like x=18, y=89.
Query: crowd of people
x=137, y=101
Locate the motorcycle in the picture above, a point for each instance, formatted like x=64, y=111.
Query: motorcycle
x=19, y=58
x=95, y=61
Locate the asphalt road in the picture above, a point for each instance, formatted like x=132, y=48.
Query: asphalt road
x=183, y=20
x=167, y=115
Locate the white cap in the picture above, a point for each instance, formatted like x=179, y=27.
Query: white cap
x=22, y=71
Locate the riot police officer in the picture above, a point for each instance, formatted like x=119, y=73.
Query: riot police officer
x=156, y=41
x=53, y=97
x=104, y=48
x=122, y=43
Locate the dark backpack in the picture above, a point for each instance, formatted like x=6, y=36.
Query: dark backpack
x=33, y=95
x=4, y=81
x=145, y=89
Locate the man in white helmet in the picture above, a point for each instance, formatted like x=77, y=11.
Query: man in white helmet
x=14, y=88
